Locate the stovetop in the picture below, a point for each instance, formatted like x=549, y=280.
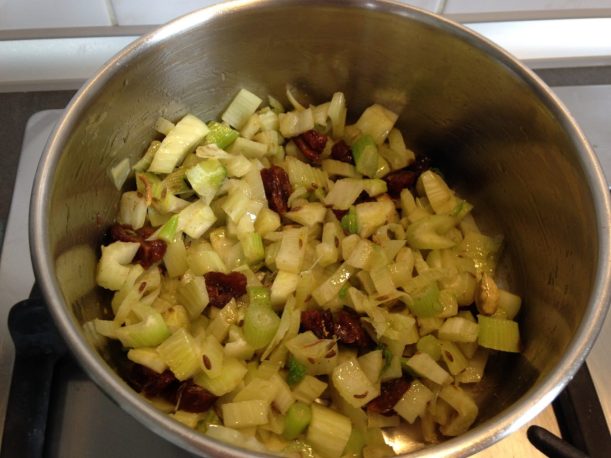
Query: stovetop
x=83, y=422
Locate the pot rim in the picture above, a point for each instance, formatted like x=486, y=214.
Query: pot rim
x=478, y=438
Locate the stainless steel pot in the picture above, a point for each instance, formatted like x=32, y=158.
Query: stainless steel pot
x=501, y=135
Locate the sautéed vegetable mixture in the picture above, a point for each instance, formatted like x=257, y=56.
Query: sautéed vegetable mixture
x=286, y=282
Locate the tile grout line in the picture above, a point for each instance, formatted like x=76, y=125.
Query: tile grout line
x=112, y=16
x=441, y=6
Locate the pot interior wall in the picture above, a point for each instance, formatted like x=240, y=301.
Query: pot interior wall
x=487, y=130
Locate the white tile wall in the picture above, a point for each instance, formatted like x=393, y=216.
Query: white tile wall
x=552, y=39
x=65, y=63
x=431, y=5
x=32, y=14
x=526, y=6
x=144, y=12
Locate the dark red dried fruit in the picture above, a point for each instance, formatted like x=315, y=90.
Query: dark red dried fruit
x=124, y=233
x=223, y=287
x=399, y=180
x=308, y=152
x=153, y=384
x=136, y=375
x=348, y=329
x=277, y=188
x=391, y=392
x=342, y=152
x=407, y=177
x=311, y=144
x=146, y=231
x=320, y=322
x=150, y=251
x=193, y=398
x=164, y=385
x=315, y=140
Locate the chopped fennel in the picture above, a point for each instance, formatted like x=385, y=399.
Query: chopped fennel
x=179, y=142
x=243, y=105
x=338, y=241
x=120, y=172
x=163, y=125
